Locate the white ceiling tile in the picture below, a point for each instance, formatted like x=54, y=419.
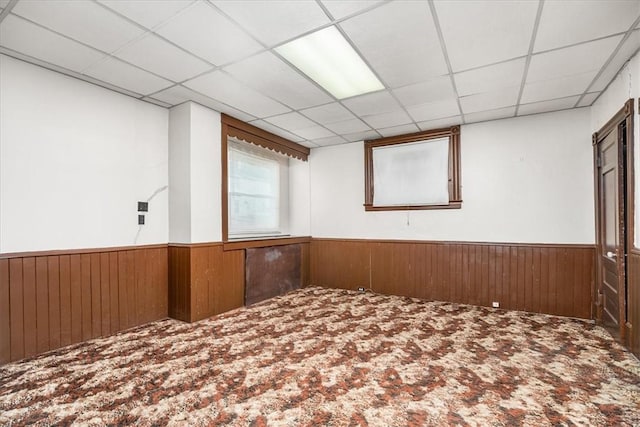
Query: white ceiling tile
x=84, y=21
x=291, y=121
x=315, y=132
x=489, y=78
x=332, y=140
x=440, y=123
x=628, y=49
x=361, y=136
x=571, y=60
x=478, y=33
x=545, y=106
x=588, y=99
x=556, y=88
x=434, y=110
x=223, y=88
x=148, y=13
x=308, y=144
x=30, y=39
x=156, y=102
x=208, y=34
x=273, y=77
x=178, y=94
x=348, y=126
x=428, y=91
x=277, y=131
x=4, y=3
x=482, y=116
x=343, y=8
x=126, y=76
x=274, y=21
x=386, y=120
x=373, y=103
x=328, y=113
x=154, y=54
x=499, y=98
x=377, y=34
x=399, y=130
x=567, y=22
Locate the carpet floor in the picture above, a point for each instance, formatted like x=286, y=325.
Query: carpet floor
x=325, y=357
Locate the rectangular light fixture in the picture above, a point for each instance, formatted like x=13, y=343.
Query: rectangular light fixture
x=331, y=61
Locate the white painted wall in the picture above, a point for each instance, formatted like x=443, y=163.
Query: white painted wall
x=526, y=179
x=299, y=196
x=625, y=85
x=179, y=176
x=74, y=160
x=206, y=175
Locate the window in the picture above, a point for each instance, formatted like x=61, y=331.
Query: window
x=255, y=181
x=416, y=171
x=258, y=191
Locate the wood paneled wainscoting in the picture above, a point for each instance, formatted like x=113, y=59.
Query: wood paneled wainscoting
x=52, y=299
x=633, y=302
x=543, y=278
x=206, y=279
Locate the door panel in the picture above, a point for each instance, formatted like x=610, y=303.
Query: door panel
x=610, y=199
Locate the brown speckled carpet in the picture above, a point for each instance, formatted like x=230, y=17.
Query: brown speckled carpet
x=317, y=357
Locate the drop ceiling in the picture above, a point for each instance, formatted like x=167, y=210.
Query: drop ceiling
x=441, y=62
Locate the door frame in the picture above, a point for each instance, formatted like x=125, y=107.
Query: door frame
x=626, y=202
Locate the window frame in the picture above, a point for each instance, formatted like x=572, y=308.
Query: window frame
x=455, y=191
x=235, y=128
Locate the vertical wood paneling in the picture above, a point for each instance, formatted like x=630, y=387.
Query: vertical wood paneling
x=65, y=300
x=50, y=301
x=29, y=302
x=16, y=299
x=95, y=310
x=5, y=313
x=85, y=284
x=42, y=305
x=232, y=292
x=77, y=312
x=350, y=259
x=633, y=302
x=53, y=275
x=114, y=297
x=538, y=278
x=105, y=294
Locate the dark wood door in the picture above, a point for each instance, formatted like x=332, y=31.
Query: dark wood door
x=610, y=198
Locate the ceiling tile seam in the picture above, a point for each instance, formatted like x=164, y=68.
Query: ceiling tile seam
x=68, y=72
x=532, y=42
x=152, y=32
x=609, y=60
x=553, y=99
x=204, y=96
x=7, y=10
x=618, y=34
x=105, y=56
x=353, y=14
x=286, y=130
x=436, y=22
x=492, y=64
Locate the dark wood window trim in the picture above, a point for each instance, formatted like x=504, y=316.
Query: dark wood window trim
x=249, y=133
x=455, y=193
x=263, y=243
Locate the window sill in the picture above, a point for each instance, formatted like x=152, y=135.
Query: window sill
x=451, y=205
x=262, y=243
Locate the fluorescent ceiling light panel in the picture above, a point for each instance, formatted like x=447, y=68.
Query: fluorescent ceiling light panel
x=331, y=61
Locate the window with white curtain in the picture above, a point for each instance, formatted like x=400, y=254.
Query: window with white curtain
x=416, y=171
x=258, y=182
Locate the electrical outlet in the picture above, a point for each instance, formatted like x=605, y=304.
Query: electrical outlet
x=495, y=304
x=140, y=219
x=361, y=289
